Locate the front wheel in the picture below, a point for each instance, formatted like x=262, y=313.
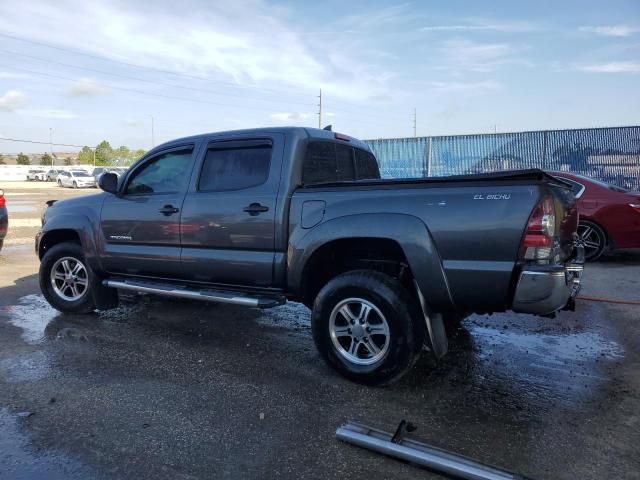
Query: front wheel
x=593, y=239
x=59, y=183
x=367, y=327
x=66, y=280
x=75, y=185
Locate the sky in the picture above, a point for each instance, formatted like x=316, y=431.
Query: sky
x=86, y=71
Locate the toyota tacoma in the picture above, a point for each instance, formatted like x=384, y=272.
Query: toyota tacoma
x=258, y=217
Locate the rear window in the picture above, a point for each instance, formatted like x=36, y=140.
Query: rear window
x=333, y=162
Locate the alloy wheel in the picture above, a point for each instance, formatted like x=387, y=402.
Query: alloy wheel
x=359, y=331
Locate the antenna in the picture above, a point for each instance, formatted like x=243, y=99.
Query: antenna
x=414, y=122
x=320, y=109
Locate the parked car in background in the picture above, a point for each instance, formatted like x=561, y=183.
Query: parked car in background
x=97, y=172
x=52, y=175
x=75, y=179
x=4, y=218
x=609, y=215
x=37, y=175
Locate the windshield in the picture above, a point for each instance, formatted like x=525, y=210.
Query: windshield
x=77, y=173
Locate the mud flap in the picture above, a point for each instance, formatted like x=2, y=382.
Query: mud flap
x=435, y=327
x=104, y=298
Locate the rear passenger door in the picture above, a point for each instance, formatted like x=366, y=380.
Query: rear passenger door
x=228, y=217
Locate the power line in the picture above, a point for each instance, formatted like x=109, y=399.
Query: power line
x=134, y=65
x=138, y=79
x=158, y=70
x=7, y=139
x=141, y=92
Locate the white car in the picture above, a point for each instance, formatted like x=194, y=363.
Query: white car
x=39, y=175
x=75, y=179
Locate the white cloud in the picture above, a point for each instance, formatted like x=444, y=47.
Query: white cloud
x=49, y=113
x=465, y=87
x=291, y=116
x=612, y=30
x=486, y=25
x=612, y=67
x=13, y=75
x=133, y=122
x=86, y=87
x=246, y=41
x=480, y=57
x=12, y=100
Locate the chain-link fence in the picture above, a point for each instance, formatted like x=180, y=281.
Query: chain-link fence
x=608, y=154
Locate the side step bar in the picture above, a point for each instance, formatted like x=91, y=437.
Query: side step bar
x=206, y=294
x=433, y=458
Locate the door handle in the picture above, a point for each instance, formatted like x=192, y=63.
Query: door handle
x=168, y=210
x=255, y=209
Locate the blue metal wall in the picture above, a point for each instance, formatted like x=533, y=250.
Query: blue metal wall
x=608, y=154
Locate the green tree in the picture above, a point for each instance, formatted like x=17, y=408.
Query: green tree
x=85, y=156
x=23, y=159
x=67, y=161
x=122, y=152
x=45, y=159
x=104, y=153
x=136, y=154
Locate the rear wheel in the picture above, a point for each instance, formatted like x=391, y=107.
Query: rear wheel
x=66, y=280
x=75, y=185
x=367, y=327
x=59, y=183
x=593, y=238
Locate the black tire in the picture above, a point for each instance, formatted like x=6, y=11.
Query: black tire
x=75, y=185
x=59, y=183
x=85, y=303
x=406, y=325
x=593, y=238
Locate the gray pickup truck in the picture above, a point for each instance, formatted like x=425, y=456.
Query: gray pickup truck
x=258, y=217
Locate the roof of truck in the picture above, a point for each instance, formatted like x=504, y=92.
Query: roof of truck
x=316, y=133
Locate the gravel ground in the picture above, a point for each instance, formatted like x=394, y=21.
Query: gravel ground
x=172, y=389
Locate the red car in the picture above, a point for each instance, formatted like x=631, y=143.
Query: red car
x=609, y=215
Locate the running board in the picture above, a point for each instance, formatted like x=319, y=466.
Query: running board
x=206, y=294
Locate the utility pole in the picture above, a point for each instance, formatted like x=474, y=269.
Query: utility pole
x=153, y=140
x=414, y=123
x=51, y=144
x=320, y=109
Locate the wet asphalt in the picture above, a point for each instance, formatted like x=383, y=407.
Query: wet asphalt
x=164, y=388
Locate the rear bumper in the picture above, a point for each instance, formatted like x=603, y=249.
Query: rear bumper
x=545, y=289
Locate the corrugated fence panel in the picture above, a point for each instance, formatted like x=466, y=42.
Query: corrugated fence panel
x=608, y=154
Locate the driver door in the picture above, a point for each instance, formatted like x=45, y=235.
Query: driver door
x=141, y=226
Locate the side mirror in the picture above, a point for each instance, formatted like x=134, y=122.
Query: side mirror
x=109, y=182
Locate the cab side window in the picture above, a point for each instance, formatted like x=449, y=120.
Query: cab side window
x=167, y=173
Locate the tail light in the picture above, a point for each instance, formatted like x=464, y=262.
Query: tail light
x=3, y=202
x=538, y=240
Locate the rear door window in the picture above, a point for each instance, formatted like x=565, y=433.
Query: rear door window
x=236, y=167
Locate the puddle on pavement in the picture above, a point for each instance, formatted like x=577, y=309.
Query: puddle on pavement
x=26, y=368
x=554, y=349
x=32, y=315
x=19, y=460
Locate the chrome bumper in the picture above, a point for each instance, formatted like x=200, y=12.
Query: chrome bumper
x=545, y=289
